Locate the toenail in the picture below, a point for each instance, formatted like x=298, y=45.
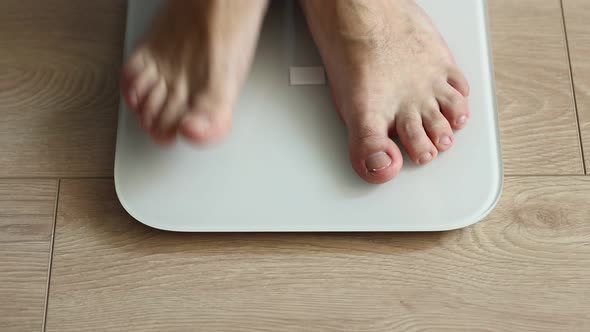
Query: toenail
x=378, y=161
x=462, y=120
x=426, y=157
x=445, y=140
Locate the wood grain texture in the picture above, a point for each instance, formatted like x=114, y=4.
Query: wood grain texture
x=26, y=224
x=535, y=101
x=59, y=65
x=526, y=268
x=577, y=14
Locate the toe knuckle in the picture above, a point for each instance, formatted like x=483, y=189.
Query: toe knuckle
x=411, y=129
x=366, y=133
x=456, y=101
x=431, y=107
x=440, y=126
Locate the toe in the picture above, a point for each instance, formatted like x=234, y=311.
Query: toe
x=207, y=120
x=374, y=156
x=414, y=138
x=153, y=104
x=453, y=105
x=140, y=86
x=457, y=80
x=134, y=65
x=175, y=107
x=130, y=72
x=437, y=127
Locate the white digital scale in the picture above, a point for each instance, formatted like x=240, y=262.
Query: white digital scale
x=284, y=167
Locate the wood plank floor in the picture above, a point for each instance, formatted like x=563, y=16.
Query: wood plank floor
x=26, y=225
x=535, y=102
x=59, y=86
x=525, y=268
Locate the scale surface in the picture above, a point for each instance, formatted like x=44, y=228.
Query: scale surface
x=285, y=167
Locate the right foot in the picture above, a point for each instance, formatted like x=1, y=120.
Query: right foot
x=186, y=74
x=391, y=73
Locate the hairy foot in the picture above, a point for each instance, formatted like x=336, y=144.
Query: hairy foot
x=186, y=74
x=391, y=73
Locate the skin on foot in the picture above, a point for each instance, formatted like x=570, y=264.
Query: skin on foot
x=186, y=74
x=391, y=73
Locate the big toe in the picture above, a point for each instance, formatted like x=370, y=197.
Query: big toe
x=207, y=121
x=374, y=156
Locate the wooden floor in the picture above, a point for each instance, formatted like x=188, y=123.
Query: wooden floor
x=72, y=260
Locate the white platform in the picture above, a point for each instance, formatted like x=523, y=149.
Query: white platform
x=285, y=166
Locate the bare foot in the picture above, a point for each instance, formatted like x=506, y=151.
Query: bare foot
x=391, y=73
x=186, y=74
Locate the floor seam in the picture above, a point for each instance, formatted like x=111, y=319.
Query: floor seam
x=573, y=85
x=50, y=265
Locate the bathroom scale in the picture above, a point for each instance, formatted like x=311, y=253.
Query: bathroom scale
x=284, y=167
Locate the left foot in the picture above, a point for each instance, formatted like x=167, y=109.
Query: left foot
x=391, y=73
x=186, y=74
